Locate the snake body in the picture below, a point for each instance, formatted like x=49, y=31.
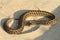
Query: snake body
x=21, y=21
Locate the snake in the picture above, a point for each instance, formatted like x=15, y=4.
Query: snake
x=21, y=20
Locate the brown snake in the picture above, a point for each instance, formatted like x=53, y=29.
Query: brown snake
x=21, y=21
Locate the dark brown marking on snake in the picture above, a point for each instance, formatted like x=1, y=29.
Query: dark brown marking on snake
x=21, y=21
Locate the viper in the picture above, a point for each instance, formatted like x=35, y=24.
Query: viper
x=21, y=21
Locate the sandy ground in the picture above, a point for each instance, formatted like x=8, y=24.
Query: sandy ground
x=14, y=8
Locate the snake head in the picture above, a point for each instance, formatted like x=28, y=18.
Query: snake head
x=27, y=23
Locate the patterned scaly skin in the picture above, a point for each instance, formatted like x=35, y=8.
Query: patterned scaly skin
x=24, y=16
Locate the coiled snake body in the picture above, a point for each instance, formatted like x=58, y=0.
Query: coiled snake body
x=21, y=21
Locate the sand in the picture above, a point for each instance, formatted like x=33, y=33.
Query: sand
x=11, y=8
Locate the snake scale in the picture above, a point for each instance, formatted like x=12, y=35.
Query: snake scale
x=21, y=21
